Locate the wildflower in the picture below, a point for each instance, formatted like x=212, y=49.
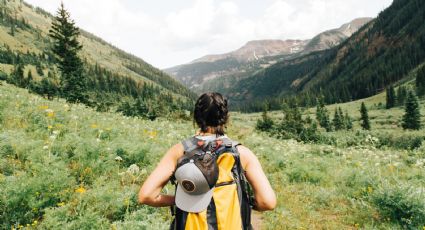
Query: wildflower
x=369, y=189
x=80, y=190
x=93, y=126
x=60, y=204
x=118, y=158
x=133, y=169
x=152, y=134
x=56, y=132
x=50, y=127
x=43, y=107
x=50, y=113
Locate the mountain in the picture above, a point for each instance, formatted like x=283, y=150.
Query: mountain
x=387, y=50
x=203, y=73
x=331, y=38
x=254, y=50
x=114, y=75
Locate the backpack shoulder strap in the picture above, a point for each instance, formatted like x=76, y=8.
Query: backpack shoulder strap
x=244, y=188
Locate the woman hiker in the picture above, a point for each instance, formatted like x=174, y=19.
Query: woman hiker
x=213, y=176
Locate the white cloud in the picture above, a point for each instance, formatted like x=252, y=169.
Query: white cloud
x=208, y=26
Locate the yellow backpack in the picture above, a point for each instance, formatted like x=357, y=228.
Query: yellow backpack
x=230, y=206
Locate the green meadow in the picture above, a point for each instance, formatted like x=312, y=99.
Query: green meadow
x=70, y=166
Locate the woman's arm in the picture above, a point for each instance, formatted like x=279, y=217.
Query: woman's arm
x=150, y=192
x=265, y=198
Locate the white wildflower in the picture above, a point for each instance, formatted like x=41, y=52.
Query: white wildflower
x=118, y=158
x=133, y=169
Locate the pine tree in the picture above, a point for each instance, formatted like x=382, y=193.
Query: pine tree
x=338, y=120
x=401, y=95
x=391, y=97
x=17, y=77
x=412, y=116
x=348, y=122
x=29, y=78
x=322, y=115
x=364, y=117
x=265, y=123
x=66, y=47
x=420, y=82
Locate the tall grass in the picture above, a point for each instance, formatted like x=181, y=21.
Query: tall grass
x=69, y=166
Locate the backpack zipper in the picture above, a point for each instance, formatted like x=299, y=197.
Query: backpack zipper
x=225, y=183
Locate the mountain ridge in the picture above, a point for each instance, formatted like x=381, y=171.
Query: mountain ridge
x=380, y=54
x=256, y=55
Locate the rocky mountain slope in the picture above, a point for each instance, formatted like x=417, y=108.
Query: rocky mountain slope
x=256, y=55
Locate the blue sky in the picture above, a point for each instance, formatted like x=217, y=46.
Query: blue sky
x=166, y=33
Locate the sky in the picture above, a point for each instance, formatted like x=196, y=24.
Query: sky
x=167, y=33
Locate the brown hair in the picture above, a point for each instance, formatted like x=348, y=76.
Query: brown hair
x=211, y=111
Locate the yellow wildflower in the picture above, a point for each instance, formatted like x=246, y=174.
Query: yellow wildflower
x=152, y=134
x=43, y=107
x=50, y=114
x=93, y=126
x=369, y=189
x=80, y=190
x=50, y=127
x=60, y=204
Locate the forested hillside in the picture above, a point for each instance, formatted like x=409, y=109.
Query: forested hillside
x=387, y=50
x=115, y=79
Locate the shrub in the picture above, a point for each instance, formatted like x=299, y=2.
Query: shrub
x=405, y=141
x=3, y=76
x=265, y=123
x=403, y=204
x=26, y=195
x=304, y=173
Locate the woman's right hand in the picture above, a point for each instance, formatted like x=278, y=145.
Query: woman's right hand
x=150, y=192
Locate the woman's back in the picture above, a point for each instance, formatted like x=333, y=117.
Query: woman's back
x=220, y=204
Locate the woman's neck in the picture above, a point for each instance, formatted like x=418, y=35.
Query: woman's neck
x=209, y=132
